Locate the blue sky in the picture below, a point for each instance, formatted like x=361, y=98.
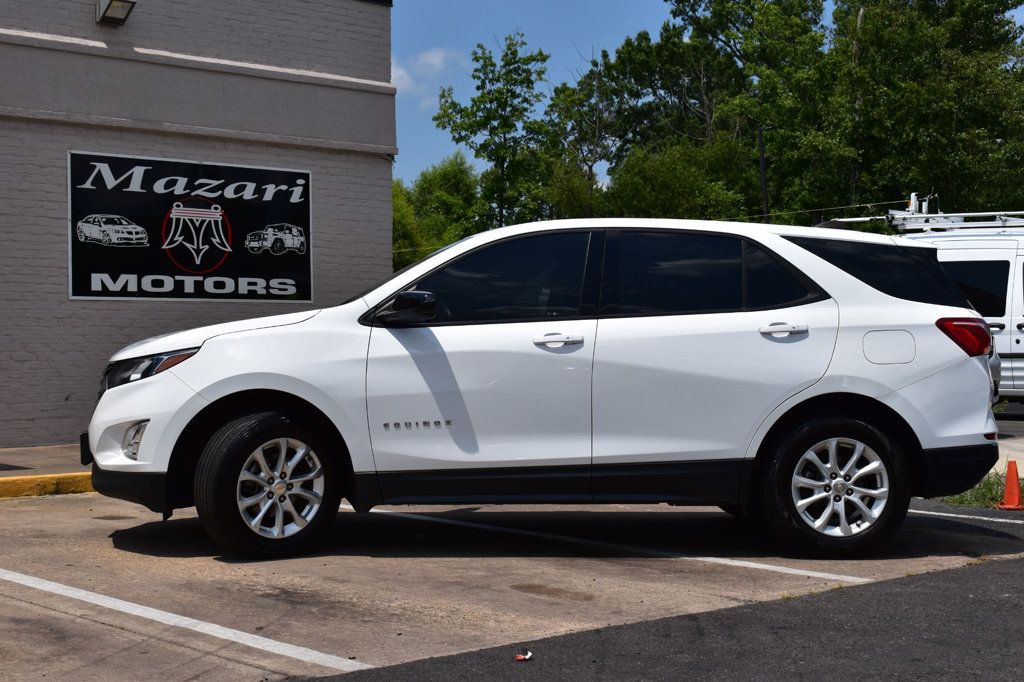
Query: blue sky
x=432, y=40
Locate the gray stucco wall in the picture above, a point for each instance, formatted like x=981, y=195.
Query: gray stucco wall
x=52, y=349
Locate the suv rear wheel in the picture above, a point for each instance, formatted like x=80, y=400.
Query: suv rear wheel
x=266, y=486
x=836, y=486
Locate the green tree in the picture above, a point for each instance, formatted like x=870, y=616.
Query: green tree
x=499, y=126
x=407, y=244
x=928, y=96
x=674, y=183
x=447, y=200
x=778, y=45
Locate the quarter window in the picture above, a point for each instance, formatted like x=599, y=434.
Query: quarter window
x=983, y=282
x=907, y=272
x=529, y=278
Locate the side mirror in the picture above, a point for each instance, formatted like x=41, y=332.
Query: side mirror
x=408, y=307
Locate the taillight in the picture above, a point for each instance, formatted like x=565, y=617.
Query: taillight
x=970, y=333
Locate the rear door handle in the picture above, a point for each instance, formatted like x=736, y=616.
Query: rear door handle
x=559, y=340
x=783, y=328
x=1020, y=326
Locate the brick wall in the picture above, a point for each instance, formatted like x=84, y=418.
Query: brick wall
x=345, y=37
x=52, y=349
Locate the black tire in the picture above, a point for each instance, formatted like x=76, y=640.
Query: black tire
x=301, y=249
x=81, y=235
x=779, y=508
x=277, y=248
x=216, y=485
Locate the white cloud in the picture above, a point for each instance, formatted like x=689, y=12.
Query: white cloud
x=424, y=71
x=400, y=76
x=435, y=60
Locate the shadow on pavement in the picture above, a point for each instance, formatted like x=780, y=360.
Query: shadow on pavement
x=701, y=533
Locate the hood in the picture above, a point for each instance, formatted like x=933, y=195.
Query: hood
x=193, y=338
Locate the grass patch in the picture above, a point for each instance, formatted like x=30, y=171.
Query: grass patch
x=988, y=493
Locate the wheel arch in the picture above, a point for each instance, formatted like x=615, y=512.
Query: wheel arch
x=854, y=405
x=193, y=438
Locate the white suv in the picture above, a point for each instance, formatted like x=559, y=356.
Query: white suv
x=816, y=379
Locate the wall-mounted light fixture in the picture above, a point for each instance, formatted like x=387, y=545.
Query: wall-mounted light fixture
x=114, y=11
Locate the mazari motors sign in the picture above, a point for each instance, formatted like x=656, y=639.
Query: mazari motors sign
x=159, y=228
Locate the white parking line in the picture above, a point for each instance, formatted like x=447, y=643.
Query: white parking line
x=255, y=641
x=966, y=516
x=629, y=549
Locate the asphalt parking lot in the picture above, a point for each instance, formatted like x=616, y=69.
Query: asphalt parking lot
x=101, y=589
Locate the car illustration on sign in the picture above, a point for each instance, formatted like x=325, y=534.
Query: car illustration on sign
x=111, y=230
x=278, y=238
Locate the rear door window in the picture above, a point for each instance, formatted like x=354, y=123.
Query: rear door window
x=983, y=282
x=671, y=272
x=771, y=283
x=907, y=272
x=674, y=273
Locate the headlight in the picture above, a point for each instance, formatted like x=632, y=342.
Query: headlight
x=126, y=371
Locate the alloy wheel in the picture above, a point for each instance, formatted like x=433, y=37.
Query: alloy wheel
x=280, y=488
x=840, y=487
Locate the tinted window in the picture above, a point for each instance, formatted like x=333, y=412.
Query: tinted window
x=661, y=273
x=910, y=273
x=983, y=283
x=770, y=284
x=529, y=278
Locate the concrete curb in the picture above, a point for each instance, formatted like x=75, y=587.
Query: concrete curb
x=45, y=484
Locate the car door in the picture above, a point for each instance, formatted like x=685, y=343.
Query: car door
x=985, y=274
x=89, y=228
x=700, y=336
x=490, y=400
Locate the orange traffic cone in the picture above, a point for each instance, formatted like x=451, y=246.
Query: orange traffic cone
x=1011, y=497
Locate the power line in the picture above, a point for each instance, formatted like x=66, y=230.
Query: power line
x=418, y=248
x=755, y=215
x=812, y=210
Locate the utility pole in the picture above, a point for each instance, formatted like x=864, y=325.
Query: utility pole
x=764, y=178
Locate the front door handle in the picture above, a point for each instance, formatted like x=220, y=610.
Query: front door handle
x=996, y=326
x=559, y=340
x=783, y=328
x=1020, y=326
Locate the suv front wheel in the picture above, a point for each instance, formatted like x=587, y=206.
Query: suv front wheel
x=837, y=486
x=266, y=486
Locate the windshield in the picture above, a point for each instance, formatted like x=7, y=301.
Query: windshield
x=115, y=220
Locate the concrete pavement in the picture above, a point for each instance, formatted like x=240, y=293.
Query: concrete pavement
x=954, y=625
x=403, y=584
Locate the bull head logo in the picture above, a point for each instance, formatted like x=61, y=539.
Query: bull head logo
x=193, y=228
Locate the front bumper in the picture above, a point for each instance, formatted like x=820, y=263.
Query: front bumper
x=146, y=488
x=949, y=471
x=131, y=240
